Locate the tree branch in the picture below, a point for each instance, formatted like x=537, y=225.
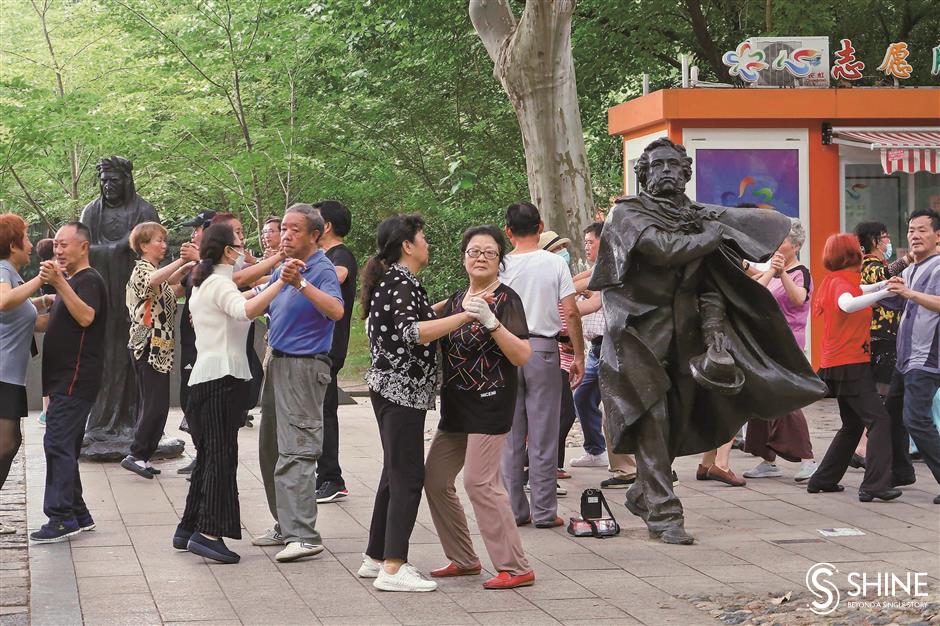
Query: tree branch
x=494, y=23
x=29, y=198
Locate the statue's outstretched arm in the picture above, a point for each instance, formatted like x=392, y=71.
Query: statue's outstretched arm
x=670, y=249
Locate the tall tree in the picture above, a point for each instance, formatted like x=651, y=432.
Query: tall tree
x=533, y=62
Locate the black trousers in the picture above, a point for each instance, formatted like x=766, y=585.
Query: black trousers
x=910, y=401
x=328, y=469
x=212, y=503
x=567, y=416
x=65, y=428
x=886, y=441
x=399, y=494
x=153, y=406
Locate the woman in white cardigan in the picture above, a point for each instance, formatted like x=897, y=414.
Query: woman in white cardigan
x=221, y=316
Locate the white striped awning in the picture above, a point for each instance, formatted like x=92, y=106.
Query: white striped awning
x=902, y=149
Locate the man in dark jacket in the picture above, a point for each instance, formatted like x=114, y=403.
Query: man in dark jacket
x=693, y=346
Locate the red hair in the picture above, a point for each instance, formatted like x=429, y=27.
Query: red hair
x=842, y=251
x=12, y=232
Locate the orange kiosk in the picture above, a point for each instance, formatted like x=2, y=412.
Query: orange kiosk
x=832, y=157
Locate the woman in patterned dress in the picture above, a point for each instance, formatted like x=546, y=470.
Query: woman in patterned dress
x=151, y=304
x=478, y=398
x=402, y=330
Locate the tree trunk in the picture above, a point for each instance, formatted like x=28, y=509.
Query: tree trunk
x=533, y=62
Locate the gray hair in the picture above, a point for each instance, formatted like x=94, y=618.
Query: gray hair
x=312, y=215
x=797, y=234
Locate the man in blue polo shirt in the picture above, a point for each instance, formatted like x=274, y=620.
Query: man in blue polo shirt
x=300, y=334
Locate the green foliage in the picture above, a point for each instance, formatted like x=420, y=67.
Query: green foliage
x=389, y=106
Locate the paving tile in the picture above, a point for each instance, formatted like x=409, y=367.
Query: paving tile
x=580, y=609
x=489, y=601
x=109, y=585
x=507, y=618
x=107, y=568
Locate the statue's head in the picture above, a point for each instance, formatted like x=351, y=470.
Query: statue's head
x=116, y=180
x=664, y=168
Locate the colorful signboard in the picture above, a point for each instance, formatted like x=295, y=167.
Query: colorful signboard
x=804, y=61
x=767, y=178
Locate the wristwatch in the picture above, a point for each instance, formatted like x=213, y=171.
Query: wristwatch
x=303, y=284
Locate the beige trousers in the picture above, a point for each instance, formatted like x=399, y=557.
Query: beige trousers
x=478, y=456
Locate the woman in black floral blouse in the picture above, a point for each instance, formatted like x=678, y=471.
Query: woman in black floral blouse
x=876, y=250
x=402, y=330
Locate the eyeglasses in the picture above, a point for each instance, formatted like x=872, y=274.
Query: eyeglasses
x=474, y=253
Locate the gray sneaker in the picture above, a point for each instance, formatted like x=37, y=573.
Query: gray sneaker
x=807, y=469
x=270, y=538
x=764, y=470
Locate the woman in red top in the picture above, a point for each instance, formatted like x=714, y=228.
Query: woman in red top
x=846, y=369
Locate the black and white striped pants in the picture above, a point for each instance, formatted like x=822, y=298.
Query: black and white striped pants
x=212, y=503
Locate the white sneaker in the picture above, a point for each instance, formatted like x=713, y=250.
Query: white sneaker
x=270, y=538
x=298, y=550
x=764, y=470
x=590, y=460
x=370, y=568
x=408, y=578
x=807, y=469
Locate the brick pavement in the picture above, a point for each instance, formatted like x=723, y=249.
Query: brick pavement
x=14, y=557
x=752, y=542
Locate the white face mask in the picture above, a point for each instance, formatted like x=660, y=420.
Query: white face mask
x=889, y=250
x=563, y=253
x=239, y=261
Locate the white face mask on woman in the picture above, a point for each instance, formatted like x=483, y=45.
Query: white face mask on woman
x=239, y=262
x=563, y=253
x=889, y=250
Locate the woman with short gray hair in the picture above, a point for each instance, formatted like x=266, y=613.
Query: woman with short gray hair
x=791, y=285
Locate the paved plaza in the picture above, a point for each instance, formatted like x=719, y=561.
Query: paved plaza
x=754, y=545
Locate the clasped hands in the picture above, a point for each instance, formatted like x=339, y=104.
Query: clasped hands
x=897, y=286
x=479, y=309
x=291, y=272
x=51, y=274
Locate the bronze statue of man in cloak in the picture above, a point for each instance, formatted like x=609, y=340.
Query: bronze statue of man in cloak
x=694, y=347
x=111, y=217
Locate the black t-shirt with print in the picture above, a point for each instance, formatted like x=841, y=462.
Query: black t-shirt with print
x=73, y=356
x=341, y=256
x=478, y=394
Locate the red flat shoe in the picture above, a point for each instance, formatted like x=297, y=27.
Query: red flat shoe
x=452, y=569
x=505, y=580
x=561, y=474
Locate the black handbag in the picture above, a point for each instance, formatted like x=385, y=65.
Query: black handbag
x=593, y=522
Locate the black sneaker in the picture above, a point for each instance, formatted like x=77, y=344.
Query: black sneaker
x=54, y=532
x=617, y=483
x=153, y=470
x=130, y=463
x=214, y=549
x=85, y=522
x=181, y=537
x=188, y=469
x=330, y=492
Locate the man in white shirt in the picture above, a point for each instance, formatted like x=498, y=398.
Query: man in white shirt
x=542, y=280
